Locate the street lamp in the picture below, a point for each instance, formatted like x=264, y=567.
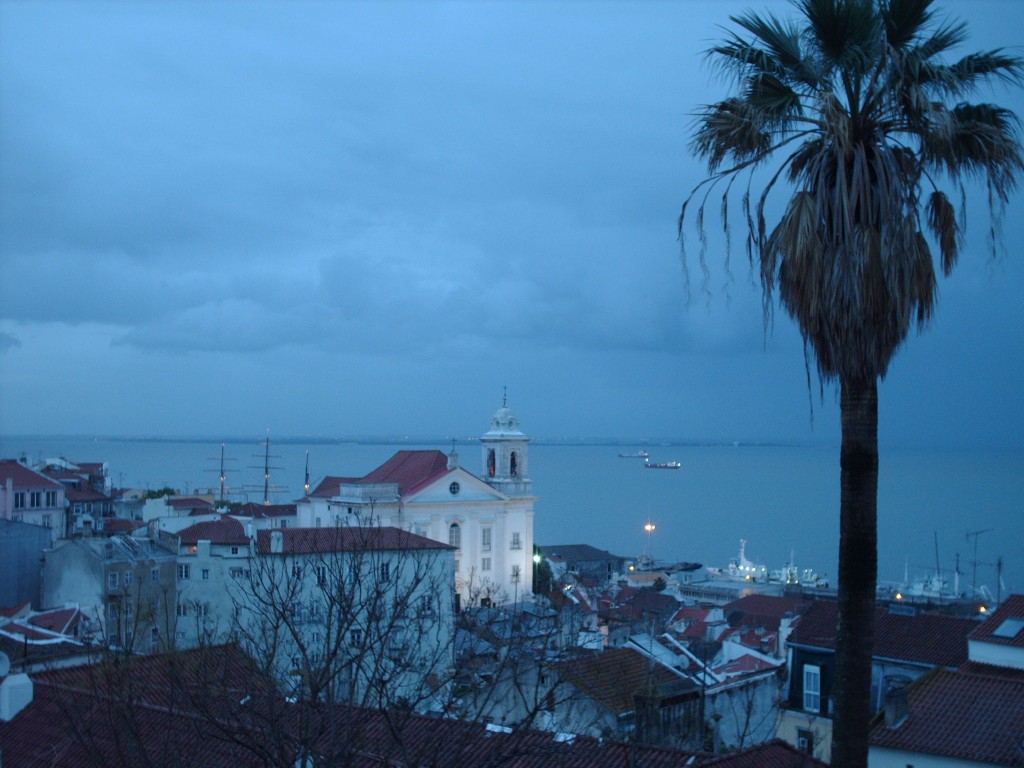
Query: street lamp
x=650, y=529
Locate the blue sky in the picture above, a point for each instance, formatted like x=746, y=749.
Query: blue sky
x=369, y=218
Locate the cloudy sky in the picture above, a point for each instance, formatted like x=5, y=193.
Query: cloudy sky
x=369, y=218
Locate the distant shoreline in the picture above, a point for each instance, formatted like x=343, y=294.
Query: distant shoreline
x=420, y=440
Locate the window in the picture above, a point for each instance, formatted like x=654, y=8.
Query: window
x=321, y=575
x=805, y=741
x=318, y=522
x=19, y=500
x=235, y=573
x=202, y=609
x=455, y=535
x=426, y=606
x=355, y=637
x=35, y=499
x=154, y=575
x=385, y=571
x=454, y=489
x=127, y=579
x=206, y=574
x=284, y=523
x=514, y=465
x=485, y=539
x=51, y=498
x=516, y=541
x=154, y=638
x=182, y=609
x=112, y=580
x=184, y=571
x=516, y=574
x=485, y=564
x=296, y=571
x=234, y=550
x=812, y=688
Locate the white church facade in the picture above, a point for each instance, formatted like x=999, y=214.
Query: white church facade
x=486, y=518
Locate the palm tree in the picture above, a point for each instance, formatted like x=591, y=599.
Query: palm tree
x=862, y=117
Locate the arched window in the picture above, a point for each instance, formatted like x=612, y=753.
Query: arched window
x=515, y=465
x=490, y=463
x=455, y=535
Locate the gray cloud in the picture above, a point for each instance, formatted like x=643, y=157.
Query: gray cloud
x=428, y=200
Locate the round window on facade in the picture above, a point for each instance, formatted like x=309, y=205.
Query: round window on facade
x=454, y=489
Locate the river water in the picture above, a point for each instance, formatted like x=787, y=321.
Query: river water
x=780, y=498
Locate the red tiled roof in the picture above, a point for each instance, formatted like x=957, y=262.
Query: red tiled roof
x=744, y=664
x=62, y=620
x=962, y=716
x=1012, y=608
x=305, y=541
x=212, y=707
x=331, y=486
x=771, y=754
x=411, y=470
x=763, y=610
x=23, y=477
x=924, y=639
x=84, y=494
x=14, y=610
x=190, y=502
x=223, y=531
x=264, y=510
x=613, y=677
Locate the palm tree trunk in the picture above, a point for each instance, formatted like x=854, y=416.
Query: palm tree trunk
x=858, y=571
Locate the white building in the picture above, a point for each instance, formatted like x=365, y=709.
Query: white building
x=488, y=518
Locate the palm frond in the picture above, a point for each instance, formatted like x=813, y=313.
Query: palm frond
x=904, y=20
x=730, y=130
x=943, y=224
x=845, y=32
x=978, y=140
x=780, y=44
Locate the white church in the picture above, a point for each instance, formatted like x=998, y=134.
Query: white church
x=488, y=518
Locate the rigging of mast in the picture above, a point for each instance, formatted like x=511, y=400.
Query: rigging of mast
x=268, y=487
x=222, y=475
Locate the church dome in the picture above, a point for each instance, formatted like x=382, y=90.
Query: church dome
x=504, y=422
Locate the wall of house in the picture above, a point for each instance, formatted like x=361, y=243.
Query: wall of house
x=20, y=546
x=208, y=578
x=748, y=709
x=794, y=723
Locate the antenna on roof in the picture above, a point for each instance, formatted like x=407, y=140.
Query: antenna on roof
x=504, y=397
x=267, y=487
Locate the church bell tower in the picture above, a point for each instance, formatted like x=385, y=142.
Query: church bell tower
x=505, y=455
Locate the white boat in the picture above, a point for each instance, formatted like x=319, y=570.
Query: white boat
x=741, y=569
x=663, y=465
x=790, y=575
x=634, y=455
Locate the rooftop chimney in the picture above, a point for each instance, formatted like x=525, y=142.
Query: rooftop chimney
x=896, y=705
x=276, y=542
